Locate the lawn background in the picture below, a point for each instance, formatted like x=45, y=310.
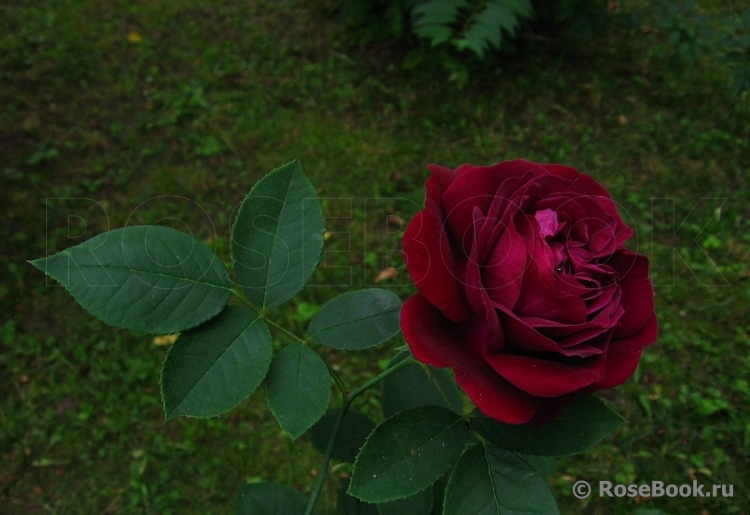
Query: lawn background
x=115, y=113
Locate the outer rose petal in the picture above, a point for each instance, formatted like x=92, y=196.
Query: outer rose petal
x=434, y=340
x=430, y=263
x=544, y=378
x=585, y=184
x=637, y=292
x=440, y=180
x=623, y=355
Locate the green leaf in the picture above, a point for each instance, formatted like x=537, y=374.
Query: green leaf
x=580, y=426
x=419, y=504
x=419, y=385
x=212, y=368
x=545, y=465
x=490, y=481
x=407, y=453
x=357, y=320
x=150, y=279
x=355, y=428
x=270, y=499
x=277, y=236
x=298, y=388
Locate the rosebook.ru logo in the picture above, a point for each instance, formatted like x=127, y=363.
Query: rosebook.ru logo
x=582, y=489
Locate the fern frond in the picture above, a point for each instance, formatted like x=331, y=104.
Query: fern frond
x=498, y=19
x=435, y=19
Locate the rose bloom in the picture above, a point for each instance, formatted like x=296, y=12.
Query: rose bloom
x=525, y=288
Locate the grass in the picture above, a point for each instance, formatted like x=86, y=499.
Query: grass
x=131, y=112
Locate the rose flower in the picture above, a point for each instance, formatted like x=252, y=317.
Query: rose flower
x=525, y=287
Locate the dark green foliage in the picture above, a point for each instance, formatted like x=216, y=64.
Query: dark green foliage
x=298, y=388
x=407, y=453
x=479, y=27
x=492, y=26
x=695, y=34
x=357, y=320
x=511, y=484
x=277, y=237
x=270, y=499
x=148, y=279
x=212, y=368
x=419, y=385
x=572, y=19
x=579, y=427
x=355, y=428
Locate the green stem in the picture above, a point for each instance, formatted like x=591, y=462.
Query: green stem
x=262, y=314
x=240, y=295
x=285, y=331
x=323, y=472
x=339, y=382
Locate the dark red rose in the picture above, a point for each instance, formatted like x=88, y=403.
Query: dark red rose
x=525, y=288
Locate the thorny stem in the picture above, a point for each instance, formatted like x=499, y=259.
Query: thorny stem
x=348, y=399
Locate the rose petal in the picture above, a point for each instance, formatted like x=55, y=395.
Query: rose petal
x=477, y=296
x=496, y=222
x=584, y=183
x=439, y=181
x=538, y=299
x=548, y=224
x=434, y=340
x=623, y=355
x=496, y=397
x=428, y=334
x=520, y=336
x=637, y=292
x=430, y=262
x=543, y=378
x=503, y=274
x=477, y=187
